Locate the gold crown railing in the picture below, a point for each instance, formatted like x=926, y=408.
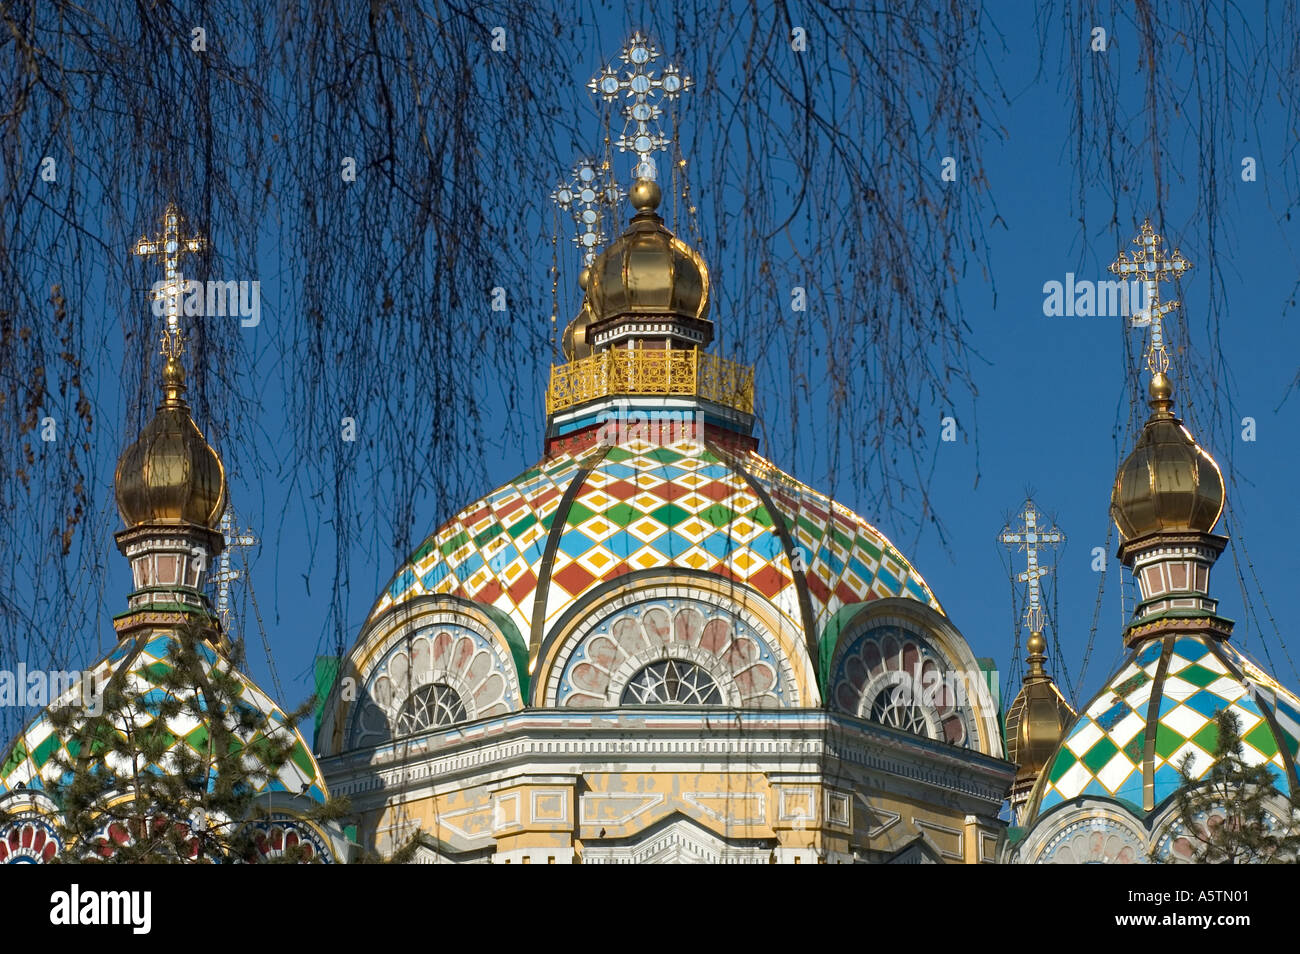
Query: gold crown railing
x=651, y=371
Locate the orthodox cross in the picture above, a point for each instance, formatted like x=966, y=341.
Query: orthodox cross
x=225, y=574
x=589, y=188
x=168, y=249
x=643, y=90
x=1151, y=265
x=1031, y=537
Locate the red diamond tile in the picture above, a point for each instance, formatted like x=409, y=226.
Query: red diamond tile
x=817, y=588
x=490, y=592
x=574, y=579
x=846, y=595
x=622, y=490
x=715, y=490
x=523, y=587
x=769, y=581
x=617, y=571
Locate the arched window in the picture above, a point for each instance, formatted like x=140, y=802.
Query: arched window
x=672, y=682
x=430, y=706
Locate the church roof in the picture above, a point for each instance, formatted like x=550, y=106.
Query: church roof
x=141, y=661
x=1162, y=705
x=577, y=520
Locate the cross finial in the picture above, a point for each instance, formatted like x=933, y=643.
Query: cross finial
x=1151, y=265
x=588, y=193
x=225, y=574
x=642, y=89
x=168, y=249
x=1032, y=536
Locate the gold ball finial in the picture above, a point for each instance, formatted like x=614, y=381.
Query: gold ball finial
x=584, y=277
x=1161, y=391
x=645, y=195
x=1037, y=645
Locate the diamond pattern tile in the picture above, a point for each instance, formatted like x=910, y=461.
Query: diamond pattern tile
x=1105, y=751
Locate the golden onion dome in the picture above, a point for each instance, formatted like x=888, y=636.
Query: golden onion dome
x=1168, y=482
x=648, y=270
x=574, y=342
x=1038, y=717
x=170, y=474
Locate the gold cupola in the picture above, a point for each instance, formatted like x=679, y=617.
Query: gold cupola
x=648, y=284
x=1168, y=482
x=1036, y=722
x=171, y=475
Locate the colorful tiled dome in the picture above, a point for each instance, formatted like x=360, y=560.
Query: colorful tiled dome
x=29, y=764
x=690, y=504
x=1161, y=705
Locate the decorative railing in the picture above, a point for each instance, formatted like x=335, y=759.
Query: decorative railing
x=651, y=371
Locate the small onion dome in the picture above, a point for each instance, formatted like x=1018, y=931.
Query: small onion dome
x=1168, y=482
x=170, y=474
x=1037, y=718
x=647, y=270
x=574, y=341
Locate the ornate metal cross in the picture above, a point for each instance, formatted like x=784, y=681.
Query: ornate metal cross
x=225, y=574
x=588, y=194
x=1031, y=537
x=168, y=249
x=1151, y=265
x=643, y=89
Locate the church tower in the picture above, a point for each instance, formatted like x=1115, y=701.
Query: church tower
x=1108, y=792
x=654, y=645
x=171, y=493
x=1039, y=714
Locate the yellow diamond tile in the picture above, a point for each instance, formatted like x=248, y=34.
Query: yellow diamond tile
x=596, y=500
x=695, y=561
x=743, y=560
x=646, y=559
x=598, y=559
x=694, y=528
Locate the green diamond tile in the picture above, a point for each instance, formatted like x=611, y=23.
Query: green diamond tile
x=41, y=754
x=198, y=739
x=1167, y=741
x=302, y=758
x=1135, y=748
x=455, y=543
x=15, y=758
x=1261, y=737
x=492, y=532
x=1198, y=675
x=1208, y=737
x=579, y=514
x=1102, y=751
x=622, y=514
x=1064, y=762
x=719, y=515
x=670, y=514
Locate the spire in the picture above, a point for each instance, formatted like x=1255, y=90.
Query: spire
x=1039, y=715
x=1168, y=493
x=170, y=483
x=1151, y=266
x=636, y=346
x=643, y=90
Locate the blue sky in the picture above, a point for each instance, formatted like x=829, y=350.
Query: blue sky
x=1052, y=406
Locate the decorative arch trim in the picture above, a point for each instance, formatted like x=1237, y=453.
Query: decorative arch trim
x=579, y=623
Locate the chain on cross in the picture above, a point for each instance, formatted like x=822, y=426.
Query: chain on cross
x=168, y=249
x=1151, y=265
x=1031, y=536
x=226, y=574
x=642, y=88
x=589, y=195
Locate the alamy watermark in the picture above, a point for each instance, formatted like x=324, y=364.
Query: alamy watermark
x=214, y=299
x=625, y=424
x=38, y=688
x=1084, y=298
